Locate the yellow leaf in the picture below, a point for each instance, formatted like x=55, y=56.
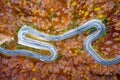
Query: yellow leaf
x=51, y=9
x=100, y=16
x=118, y=24
x=64, y=71
x=24, y=3
x=33, y=69
x=86, y=14
x=97, y=9
x=117, y=28
x=34, y=79
x=74, y=3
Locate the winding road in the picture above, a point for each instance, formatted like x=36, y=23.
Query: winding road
x=23, y=40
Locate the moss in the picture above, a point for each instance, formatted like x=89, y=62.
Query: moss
x=94, y=47
x=106, y=32
x=31, y=25
x=76, y=16
x=18, y=29
x=38, y=51
x=65, y=30
x=91, y=30
x=58, y=57
x=81, y=49
x=9, y=45
x=101, y=54
x=53, y=30
x=117, y=39
x=5, y=45
x=32, y=37
x=38, y=2
x=28, y=48
x=74, y=24
x=104, y=21
x=51, y=15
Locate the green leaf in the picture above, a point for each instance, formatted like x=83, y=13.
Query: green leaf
x=74, y=24
x=59, y=57
x=51, y=16
x=5, y=45
x=91, y=30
